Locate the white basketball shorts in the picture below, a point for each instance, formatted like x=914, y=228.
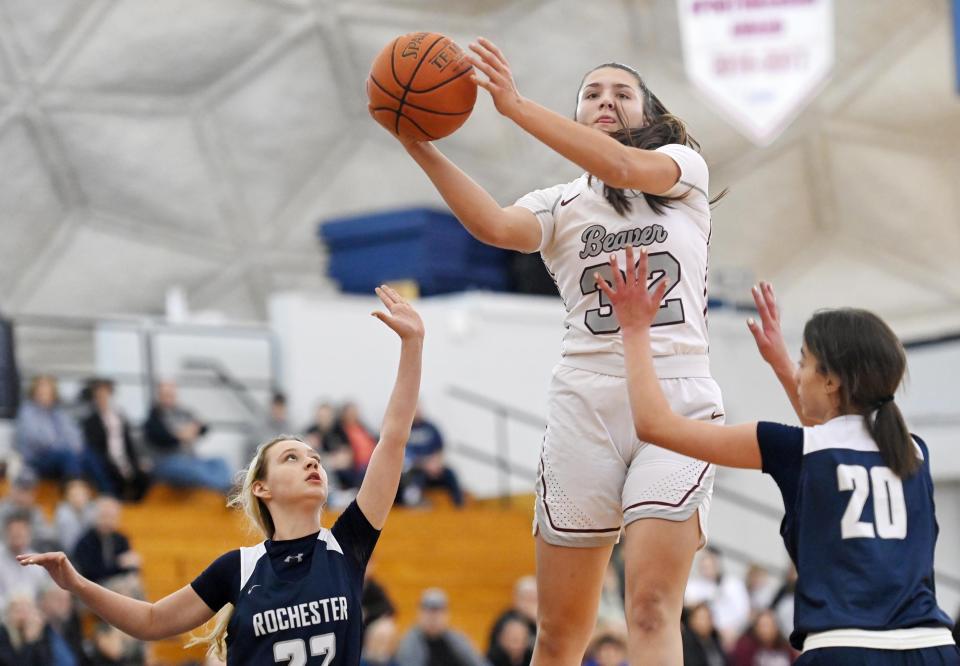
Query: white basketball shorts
x=596, y=476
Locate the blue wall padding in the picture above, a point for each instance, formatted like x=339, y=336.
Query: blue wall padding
x=427, y=246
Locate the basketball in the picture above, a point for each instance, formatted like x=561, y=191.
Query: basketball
x=420, y=86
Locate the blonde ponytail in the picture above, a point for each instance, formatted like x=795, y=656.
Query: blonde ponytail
x=260, y=521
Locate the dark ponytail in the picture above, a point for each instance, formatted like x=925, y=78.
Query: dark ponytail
x=866, y=356
x=662, y=128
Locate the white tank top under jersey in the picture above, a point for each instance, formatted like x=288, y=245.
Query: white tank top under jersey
x=580, y=231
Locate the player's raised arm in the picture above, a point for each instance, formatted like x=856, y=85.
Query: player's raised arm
x=769, y=338
x=595, y=151
x=379, y=488
x=636, y=307
x=174, y=614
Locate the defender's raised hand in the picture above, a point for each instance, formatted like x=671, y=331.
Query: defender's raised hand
x=767, y=332
x=400, y=315
x=634, y=304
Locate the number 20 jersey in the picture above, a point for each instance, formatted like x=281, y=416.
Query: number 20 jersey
x=581, y=230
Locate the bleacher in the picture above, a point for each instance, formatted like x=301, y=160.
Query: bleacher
x=476, y=553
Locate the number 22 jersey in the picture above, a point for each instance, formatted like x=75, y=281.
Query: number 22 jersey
x=580, y=229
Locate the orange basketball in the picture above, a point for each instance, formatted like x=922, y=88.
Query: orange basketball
x=420, y=87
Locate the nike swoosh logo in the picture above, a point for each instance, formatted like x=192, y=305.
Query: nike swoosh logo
x=564, y=203
x=251, y=588
x=716, y=415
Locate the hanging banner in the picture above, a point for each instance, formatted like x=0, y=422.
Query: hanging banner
x=759, y=62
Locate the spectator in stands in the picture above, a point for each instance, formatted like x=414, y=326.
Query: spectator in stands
x=46, y=436
x=277, y=423
x=431, y=642
x=701, y=642
x=64, y=622
x=426, y=466
x=107, y=433
x=328, y=439
x=607, y=649
x=727, y=596
x=374, y=600
x=524, y=609
x=173, y=431
x=760, y=588
x=22, y=498
x=17, y=540
x=511, y=645
x=762, y=644
x=74, y=514
x=112, y=647
x=359, y=437
x=782, y=603
x=379, y=641
x=104, y=553
x=25, y=640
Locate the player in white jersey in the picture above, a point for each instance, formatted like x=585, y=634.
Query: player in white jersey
x=644, y=186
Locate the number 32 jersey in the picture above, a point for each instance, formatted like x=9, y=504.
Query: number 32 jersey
x=581, y=230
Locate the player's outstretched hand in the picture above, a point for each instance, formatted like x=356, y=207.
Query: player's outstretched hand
x=57, y=565
x=634, y=304
x=499, y=83
x=767, y=333
x=400, y=315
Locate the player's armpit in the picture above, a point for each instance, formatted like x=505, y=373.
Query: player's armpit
x=177, y=613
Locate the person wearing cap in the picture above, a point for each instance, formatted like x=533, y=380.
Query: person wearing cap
x=431, y=642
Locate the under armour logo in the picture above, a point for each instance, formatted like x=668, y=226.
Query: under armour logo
x=290, y=558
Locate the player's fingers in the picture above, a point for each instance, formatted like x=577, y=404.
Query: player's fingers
x=604, y=286
x=487, y=58
x=632, y=277
x=393, y=294
x=616, y=276
x=771, y=299
x=483, y=83
x=756, y=331
x=659, y=291
x=761, y=303
x=643, y=264
x=494, y=49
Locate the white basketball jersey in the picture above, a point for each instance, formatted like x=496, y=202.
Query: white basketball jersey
x=580, y=231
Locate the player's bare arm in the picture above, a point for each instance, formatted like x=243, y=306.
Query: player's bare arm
x=636, y=307
x=769, y=338
x=379, y=488
x=174, y=614
x=596, y=152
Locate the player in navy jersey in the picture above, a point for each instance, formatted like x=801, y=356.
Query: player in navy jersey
x=859, y=516
x=295, y=598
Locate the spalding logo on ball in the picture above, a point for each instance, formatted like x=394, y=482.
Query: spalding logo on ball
x=420, y=86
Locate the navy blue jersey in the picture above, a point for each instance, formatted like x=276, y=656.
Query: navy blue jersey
x=296, y=602
x=861, y=538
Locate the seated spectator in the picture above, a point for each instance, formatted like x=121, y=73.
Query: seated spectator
x=46, y=436
x=61, y=616
x=727, y=595
x=511, y=646
x=361, y=440
x=276, y=423
x=524, y=609
x=762, y=644
x=15, y=580
x=374, y=601
x=103, y=553
x=22, y=498
x=107, y=433
x=760, y=588
x=173, y=432
x=607, y=649
x=74, y=514
x=112, y=647
x=431, y=642
x=25, y=640
x=379, y=642
x=701, y=642
x=426, y=466
x=325, y=435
